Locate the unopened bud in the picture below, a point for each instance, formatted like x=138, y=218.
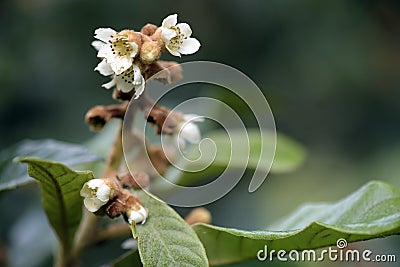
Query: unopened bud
x=150, y=52
x=137, y=215
x=149, y=29
x=198, y=215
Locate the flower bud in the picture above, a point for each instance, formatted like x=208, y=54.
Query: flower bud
x=187, y=131
x=137, y=214
x=198, y=215
x=149, y=29
x=150, y=52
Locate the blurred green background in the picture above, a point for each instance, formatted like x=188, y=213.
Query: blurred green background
x=330, y=70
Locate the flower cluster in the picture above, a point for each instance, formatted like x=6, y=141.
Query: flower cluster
x=130, y=58
x=126, y=55
x=110, y=196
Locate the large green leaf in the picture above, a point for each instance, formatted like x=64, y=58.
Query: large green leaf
x=166, y=239
x=61, y=200
x=13, y=174
x=372, y=211
x=289, y=155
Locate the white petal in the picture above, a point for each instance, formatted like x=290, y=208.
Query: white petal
x=167, y=34
x=189, y=46
x=103, y=193
x=95, y=183
x=139, y=90
x=110, y=84
x=185, y=29
x=104, y=68
x=97, y=45
x=191, y=133
x=105, y=52
x=138, y=215
x=85, y=191
x=121, y=65
x=124, y=86
x=135, y=49
x=93, y=204
x=104, y=34
x=173, y=52
x=193, y=117
x=137, y=75
x=170, y=21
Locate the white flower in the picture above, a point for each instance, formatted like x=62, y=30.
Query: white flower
x=130, y=79
x=188, y=131
x=177, y=37
x=137, y=216
x=96, y=193
x=115, y=48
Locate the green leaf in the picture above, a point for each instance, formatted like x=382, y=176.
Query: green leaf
x=60, y=187
x=165, y=239
x=14, y=174
x=371, y=212
x=289, y=155
x=129, y=259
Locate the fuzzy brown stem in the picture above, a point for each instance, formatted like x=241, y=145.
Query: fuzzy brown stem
x=112, y=231
x=98, y=116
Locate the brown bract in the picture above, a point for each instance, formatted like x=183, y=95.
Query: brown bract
x=123, y=203
x=98, y=116
x=136, y=180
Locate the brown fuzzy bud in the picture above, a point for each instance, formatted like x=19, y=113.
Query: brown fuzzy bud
x=198, y=215
x=149, y=29
x=150, y=52
x=156, y=36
